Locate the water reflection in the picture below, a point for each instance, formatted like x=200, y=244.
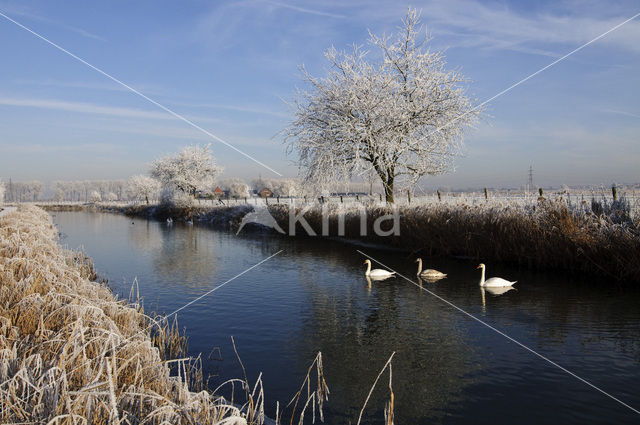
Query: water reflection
x=314, y=297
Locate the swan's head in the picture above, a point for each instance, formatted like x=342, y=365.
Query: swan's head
x=418, y=260
x=480, y=266
x=367, y=262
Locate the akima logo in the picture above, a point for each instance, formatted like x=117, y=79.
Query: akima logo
x=260, y=215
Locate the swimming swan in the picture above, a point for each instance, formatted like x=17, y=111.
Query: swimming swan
x=429, y=273
x=376, y=273
x=494, y=282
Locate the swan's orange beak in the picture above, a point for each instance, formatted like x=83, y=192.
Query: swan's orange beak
x=479, y=267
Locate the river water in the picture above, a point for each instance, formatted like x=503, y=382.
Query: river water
x=313, y=296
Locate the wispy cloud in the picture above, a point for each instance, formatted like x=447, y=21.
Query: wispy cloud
x=238, y=108
x=304, y=9
x=22, y=11
x=91, y=108
x=38, y=148
x=79, y=84
x=85, y=108
x=495, y=25
x=623, y=113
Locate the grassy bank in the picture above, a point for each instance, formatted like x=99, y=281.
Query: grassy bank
x=220, y=217
x=598, y=239
x=71, y=352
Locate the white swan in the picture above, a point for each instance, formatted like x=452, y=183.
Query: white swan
x=494, y=282
x=498, y=290
x=429, y=273
x=376, y=273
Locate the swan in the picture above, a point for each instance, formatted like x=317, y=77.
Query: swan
x=494, y=282
x=376, y=273
x=169, y=221
x=498, y=290
x=429, y=273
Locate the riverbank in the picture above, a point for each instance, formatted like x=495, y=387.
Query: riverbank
x=219, y=217
x=73, y=353
x=552, y=235
x=599, y=240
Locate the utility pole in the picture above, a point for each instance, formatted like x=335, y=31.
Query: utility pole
x=530, y=184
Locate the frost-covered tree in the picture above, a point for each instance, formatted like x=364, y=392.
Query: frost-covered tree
x=190, y=170
x=94, y=196
x=285, y=187
x=110, y=196
x=27, y=191
x=401, y=116
x=142, y=187
x=237, y=188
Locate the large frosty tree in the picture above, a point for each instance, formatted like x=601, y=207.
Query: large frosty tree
x=400, y=117
x=192, y=169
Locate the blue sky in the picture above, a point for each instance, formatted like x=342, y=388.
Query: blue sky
x=231, y=66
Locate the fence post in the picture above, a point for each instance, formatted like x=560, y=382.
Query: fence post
x=540, y=191
x=409, y=195
x=341, y=201
x=439, y=195
x=614, y=192
x=357, y=197
x=486, y=194
x=278, y=198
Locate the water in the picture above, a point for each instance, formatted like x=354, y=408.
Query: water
x=313, y=296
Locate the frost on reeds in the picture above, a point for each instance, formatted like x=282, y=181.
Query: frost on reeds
x=70, y=352
x=604, y=242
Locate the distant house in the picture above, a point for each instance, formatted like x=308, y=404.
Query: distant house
x=265, y=193
x=218, y=193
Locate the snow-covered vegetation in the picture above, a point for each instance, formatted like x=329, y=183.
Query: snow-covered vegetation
x=190, y=170
x=141, y=187
x=398, y=117
x=73, y=353
x=599, y=236
x=28, y=191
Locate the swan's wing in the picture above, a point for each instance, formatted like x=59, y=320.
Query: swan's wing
x=380, y=272
x=497, y=282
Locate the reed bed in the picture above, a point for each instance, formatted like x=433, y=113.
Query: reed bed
x=72, y=353
x=600, y=238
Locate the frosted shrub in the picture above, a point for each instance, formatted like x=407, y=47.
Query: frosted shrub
x=94, y=196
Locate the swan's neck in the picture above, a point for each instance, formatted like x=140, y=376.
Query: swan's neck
x=368, y=267
x=482, y=277
x=419, y=265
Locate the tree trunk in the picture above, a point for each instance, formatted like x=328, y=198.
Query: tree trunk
x=388, y=191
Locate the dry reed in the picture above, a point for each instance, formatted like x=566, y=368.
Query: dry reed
x=71, y=353
x=603, y=241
